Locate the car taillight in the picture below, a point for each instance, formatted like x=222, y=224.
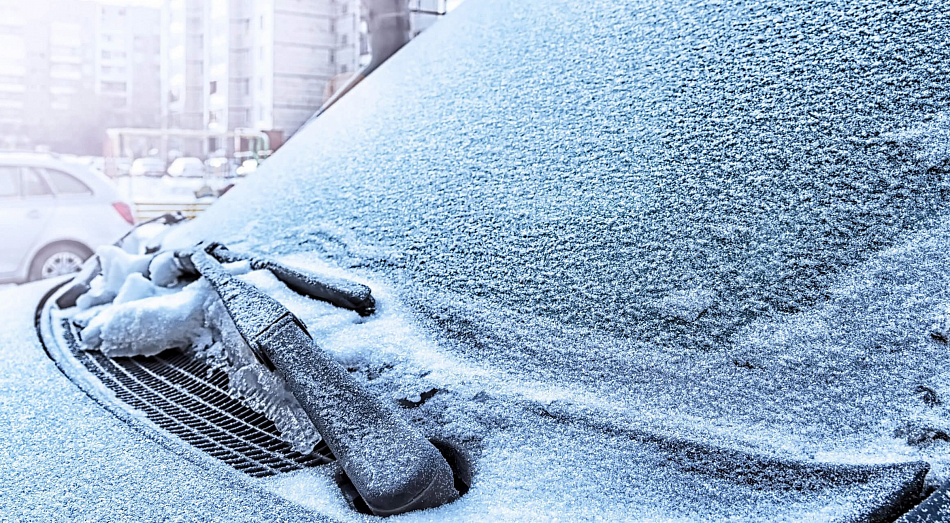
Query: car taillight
x=124, y=211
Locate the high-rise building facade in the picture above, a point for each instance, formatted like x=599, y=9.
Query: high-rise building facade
x=231, y=64
x=47, y=78
x=261, y=64
x=183, y=64
x=71, y=68
x=128, y=65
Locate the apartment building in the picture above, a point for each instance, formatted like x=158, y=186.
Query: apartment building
x=47, y=81
x=128, y=65
x=183, y=104
x=231, y=64
x=71, y=68
x=353, y=43
x=261, y=64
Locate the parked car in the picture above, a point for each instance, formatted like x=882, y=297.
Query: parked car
x=631, y=261
x=117, y=166
x=221, y=167
x=187, y=167
x=147, y=166
x=247, y=167
x=53, y=215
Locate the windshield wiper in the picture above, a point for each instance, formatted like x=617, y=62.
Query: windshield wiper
x=393, y=467
x=342, y=293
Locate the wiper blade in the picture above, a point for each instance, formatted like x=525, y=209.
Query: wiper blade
x=393, y=467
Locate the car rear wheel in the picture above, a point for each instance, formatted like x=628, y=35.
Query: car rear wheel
x=58, y=259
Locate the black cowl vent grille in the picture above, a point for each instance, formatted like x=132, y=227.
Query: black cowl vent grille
x=188, y=399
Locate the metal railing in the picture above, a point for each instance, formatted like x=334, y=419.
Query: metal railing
x=149, y=210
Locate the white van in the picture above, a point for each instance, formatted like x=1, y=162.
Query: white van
x=52, y=215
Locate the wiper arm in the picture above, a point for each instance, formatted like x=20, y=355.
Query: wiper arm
x=345, y=294
x=342, y=293
x=393, y=467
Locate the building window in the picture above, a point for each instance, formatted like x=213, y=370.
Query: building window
x=214, y=86
x=113, y=87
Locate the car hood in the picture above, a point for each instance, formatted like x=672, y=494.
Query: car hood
x=71, y=459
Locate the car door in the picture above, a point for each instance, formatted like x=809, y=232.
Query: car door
x=26, y=205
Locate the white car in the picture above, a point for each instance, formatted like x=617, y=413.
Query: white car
x=188, y=167
x=52, y=215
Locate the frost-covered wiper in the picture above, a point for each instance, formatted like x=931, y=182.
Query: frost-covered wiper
x=393, y=467
x=342, y=293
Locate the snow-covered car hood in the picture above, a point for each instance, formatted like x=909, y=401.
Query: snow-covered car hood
x=70, y=459
x=653, y=237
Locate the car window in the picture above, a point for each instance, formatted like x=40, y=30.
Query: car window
x=33, y=184
x=9, y=182
x=66, y=183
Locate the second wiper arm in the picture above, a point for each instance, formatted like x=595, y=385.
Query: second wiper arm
x=337, y=291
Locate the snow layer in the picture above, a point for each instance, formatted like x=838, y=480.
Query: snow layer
x=533, y=209
x=540, y=208
x=143, y=322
